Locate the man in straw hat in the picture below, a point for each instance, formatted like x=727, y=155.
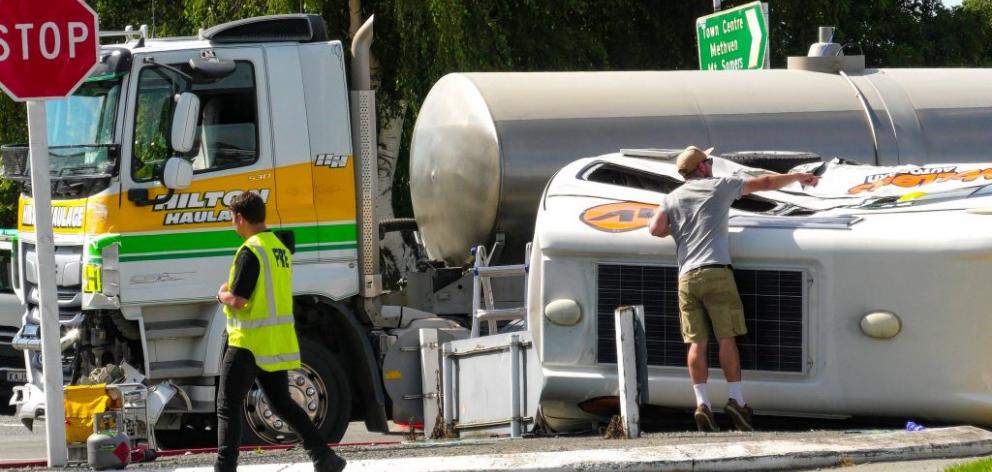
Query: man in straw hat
x=695, y=215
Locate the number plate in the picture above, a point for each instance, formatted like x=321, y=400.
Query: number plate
x=17, y=376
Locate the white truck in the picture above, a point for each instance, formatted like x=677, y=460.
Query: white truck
x=12, y=371
x=264, y=105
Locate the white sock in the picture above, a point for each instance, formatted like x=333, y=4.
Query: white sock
x=735, y=392
x=702, y=397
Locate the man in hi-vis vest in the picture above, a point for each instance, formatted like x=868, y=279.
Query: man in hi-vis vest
x=261, y=338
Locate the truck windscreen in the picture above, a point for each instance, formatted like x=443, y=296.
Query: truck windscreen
x=81, y=129
x=82, y=154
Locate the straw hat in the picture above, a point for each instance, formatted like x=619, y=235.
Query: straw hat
x=690, y=158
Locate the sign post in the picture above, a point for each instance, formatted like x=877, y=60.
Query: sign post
x=46, y=50
x=736, y=38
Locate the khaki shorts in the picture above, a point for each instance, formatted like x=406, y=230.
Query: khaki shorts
x=708, y=296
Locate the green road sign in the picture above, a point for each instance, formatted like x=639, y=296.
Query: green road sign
x=733, y=39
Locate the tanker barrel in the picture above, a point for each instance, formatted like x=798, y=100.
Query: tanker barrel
x=485, y=144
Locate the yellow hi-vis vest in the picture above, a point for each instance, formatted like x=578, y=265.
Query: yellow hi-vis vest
x=264, y=325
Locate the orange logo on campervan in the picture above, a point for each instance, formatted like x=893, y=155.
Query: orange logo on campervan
x=920, y=177
x=619, y=217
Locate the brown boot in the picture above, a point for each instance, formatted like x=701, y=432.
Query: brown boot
x=741, y=415
x=705, y=420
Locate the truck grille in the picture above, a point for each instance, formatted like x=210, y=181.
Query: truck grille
x=773, y=311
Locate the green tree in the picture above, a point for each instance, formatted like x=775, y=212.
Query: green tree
x=418, y=41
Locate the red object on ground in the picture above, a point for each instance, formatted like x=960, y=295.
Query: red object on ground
x=46, y=48
x=123, y=452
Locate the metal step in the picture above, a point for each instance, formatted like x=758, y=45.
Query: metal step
x=188, y=328
x=501, y=314
x=501, y=271
x=180, y=368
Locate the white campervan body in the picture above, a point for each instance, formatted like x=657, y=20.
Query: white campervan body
x=863, y=296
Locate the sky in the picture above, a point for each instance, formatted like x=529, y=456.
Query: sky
x=951, y=3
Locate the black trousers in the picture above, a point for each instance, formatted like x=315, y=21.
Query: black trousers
x=236, y=377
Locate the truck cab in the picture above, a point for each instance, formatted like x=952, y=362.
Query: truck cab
x=138, y=262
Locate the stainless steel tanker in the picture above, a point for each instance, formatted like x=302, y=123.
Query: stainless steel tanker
x=485, y=144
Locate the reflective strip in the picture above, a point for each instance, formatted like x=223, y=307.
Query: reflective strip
x=269, y=292
x=263, y=360
x=251, y=324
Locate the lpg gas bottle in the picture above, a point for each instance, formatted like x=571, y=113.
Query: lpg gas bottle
x=108, y=447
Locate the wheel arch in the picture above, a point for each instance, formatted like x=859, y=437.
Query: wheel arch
x=335, y=325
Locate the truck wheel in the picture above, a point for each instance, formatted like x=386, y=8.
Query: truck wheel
x=320, y=387
x=775, y=161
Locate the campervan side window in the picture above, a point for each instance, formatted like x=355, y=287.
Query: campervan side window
x=626, y=177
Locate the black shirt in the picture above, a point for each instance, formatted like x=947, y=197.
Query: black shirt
x=246, y=270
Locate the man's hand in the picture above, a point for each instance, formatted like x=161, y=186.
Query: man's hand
x=225, y=297
x=660, y=226
x=807, y=179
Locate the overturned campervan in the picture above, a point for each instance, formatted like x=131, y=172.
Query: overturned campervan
x=862, y=295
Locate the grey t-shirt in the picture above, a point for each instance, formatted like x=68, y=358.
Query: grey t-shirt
x=697, y=212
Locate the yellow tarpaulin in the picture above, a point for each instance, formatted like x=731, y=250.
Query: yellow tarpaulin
x=81, y=403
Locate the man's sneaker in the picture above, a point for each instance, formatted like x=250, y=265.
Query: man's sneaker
x=741, y=415
x=705, y=420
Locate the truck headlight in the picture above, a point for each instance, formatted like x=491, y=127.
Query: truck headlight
x=564, y=311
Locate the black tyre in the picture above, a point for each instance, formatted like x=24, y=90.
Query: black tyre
x=320, y=387
x=775, y=161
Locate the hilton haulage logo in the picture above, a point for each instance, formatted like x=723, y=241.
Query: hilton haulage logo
x=62, y=217
x=179, y=207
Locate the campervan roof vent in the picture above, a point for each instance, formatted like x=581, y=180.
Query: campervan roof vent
x=666, y=154
x=274, y=28
x=827, y=56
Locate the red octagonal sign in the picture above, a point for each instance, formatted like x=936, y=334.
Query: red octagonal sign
x=47, y=48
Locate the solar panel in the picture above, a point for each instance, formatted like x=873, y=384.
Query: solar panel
x=773, y=312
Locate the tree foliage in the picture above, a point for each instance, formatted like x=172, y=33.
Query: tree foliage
x=419, y=41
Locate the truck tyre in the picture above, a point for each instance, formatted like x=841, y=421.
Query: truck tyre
x=775, y=161
x=320, y=387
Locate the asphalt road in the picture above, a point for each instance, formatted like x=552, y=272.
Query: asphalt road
x=17, y=443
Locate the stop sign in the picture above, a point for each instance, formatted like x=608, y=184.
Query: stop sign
x=46, y=48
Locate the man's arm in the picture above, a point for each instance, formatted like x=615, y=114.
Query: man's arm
x=228, y=298
x=777, y=181
x=660, y=226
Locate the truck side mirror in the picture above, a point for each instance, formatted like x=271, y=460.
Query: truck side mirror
x=184, y=120
x=177, y=173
